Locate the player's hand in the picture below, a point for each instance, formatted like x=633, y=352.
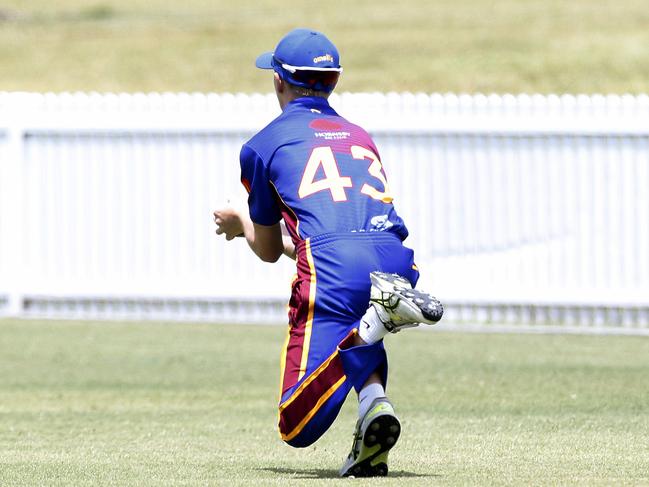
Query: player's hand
x=228, y=223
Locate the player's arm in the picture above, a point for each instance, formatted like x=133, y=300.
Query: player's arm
x=261, y=224
x=266, y=241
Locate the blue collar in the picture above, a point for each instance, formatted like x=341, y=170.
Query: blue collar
x=309, y=102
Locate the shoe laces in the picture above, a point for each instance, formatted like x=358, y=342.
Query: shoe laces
x=389, y=301
x=356, y=444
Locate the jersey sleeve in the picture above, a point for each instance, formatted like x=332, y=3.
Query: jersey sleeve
x=261, y=195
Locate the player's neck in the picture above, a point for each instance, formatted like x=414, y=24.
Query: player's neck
x=285, y=101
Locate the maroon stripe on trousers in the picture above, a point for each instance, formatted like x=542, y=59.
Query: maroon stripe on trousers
x=304, y=400
x=298, y=312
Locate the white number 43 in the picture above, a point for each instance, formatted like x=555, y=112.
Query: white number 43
x=334, y=182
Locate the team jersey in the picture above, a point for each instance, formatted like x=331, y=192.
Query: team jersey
x=319, y=172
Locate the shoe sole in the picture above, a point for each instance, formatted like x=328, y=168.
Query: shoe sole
x=383, y=431
x=429, y=306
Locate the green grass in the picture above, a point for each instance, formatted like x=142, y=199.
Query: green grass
x=416, y=45
x=85, y=404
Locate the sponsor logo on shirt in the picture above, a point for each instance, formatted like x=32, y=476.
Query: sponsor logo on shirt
x=332, y=135
x=380, y=223
x=328, y=129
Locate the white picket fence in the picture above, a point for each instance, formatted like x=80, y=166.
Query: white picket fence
x=525, y=212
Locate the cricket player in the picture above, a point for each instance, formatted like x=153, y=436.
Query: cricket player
x=323, y=176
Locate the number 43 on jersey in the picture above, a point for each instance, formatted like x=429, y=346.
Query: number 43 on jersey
x=334, y=182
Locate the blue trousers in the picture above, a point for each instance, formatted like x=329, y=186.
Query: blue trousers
x=330, y=294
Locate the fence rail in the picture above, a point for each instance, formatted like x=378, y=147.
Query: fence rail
x=525, y=212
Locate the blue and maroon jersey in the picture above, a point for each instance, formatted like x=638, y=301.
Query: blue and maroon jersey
x=319, y=172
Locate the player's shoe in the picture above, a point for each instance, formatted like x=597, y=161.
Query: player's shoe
x=374, y=436
x=400, y=306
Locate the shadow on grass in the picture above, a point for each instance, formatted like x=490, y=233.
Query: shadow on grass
x=323, y=473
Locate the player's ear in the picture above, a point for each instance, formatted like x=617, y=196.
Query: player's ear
x=278, y=82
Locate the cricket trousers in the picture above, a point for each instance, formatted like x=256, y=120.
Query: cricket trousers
x=331, y=293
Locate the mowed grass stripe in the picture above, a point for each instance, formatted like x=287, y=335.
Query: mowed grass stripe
x=195, y=404
x=582, y=46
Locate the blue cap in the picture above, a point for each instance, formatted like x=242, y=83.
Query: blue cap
x=301, y=54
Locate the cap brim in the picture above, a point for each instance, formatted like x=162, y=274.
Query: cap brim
x=265, y=61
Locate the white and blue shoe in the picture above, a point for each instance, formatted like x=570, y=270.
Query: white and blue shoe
x=400, y=306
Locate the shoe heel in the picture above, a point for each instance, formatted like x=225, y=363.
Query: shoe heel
x=383, y=431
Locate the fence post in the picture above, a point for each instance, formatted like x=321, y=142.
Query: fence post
x=13, y=215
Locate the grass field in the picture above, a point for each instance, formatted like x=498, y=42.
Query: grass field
x=416, y=45
x=194, y=404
